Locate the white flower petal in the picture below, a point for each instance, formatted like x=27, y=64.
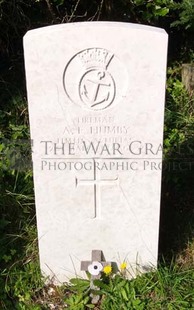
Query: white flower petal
x=98, y=265
x=92, y=271
x=95, y=268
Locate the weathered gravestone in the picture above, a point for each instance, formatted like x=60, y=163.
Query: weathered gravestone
x=96, y=103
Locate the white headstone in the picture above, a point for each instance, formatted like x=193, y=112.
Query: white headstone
x=96, y=103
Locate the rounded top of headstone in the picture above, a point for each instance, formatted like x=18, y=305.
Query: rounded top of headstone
x=95, y=24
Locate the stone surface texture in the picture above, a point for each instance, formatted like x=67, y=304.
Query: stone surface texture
x=96, y=94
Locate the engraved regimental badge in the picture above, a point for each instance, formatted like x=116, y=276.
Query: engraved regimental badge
x=91, y=79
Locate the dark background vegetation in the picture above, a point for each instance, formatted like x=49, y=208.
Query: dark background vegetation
x=17, y=212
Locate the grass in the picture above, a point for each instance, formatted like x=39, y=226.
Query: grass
x=171, y=286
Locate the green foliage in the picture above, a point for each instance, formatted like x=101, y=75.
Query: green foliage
x=167, y=288
x=18, y=16
x=22, y=282
x=79, y=299
x=20, y=278
x=177, y=216
x=80, y=285
x=186, y=15
x=15, y=148
x=79, y=302
x=119, y=293
x=152, y=10
x=17, y=209
x=179, y=117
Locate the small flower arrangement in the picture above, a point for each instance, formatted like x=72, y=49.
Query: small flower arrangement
x=101, y=273
x=96, y=269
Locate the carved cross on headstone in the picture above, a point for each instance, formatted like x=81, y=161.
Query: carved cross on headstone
x=96, y=182
x=95, y=267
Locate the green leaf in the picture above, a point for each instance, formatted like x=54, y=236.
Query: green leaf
x=161, y=11
x=102, y=285
x=76, y=281
x=124, y=294
x=90, y=306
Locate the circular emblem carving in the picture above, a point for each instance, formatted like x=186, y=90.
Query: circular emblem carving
x=91, y=79
x=97, y=89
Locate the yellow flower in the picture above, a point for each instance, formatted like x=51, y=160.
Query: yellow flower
x=123, y=266
x=107, y=269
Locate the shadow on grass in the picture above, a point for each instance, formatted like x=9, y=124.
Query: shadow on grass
x=177, y=202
